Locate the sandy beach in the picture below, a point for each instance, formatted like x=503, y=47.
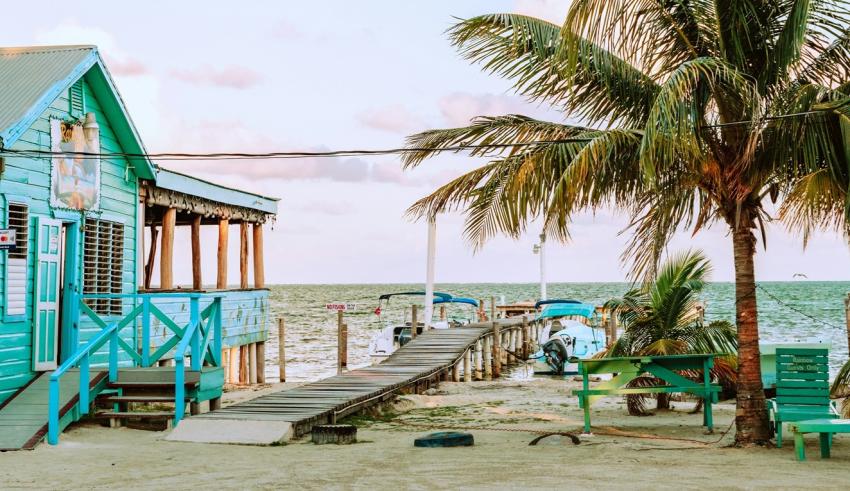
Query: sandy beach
x=667, y=455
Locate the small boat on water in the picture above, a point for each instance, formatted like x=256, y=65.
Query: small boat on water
x=396, y=334
x=570, y=332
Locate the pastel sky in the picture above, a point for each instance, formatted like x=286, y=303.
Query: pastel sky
x=202, y=76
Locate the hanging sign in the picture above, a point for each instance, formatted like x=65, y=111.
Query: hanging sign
x=7, y=239
x=344, y=307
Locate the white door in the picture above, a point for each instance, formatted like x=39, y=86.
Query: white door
x=46, y=305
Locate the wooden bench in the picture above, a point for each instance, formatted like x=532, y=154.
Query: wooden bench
x=662, y=367
x=824, y=427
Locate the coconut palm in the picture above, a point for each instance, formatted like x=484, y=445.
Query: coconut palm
x=663, y=317
x=682, y=113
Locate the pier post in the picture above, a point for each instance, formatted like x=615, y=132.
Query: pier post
x=456, y=372
x=467, y=365
x=413, y=321
x=261, y=362
x=488, y=359
x=197, y=279
x=481, y=314
x=525, y=335
x=234, y=364
x=243, y=364
x=442, y=312
x=281, y=349
x=221, y=277
x=493, y=309
x=511, y=346
x=478, y=371
x=612, y=327
x=151, y=257
x=252, y=355
x=259, y=266
x=342, y=343
x=243, y=255
x=166, y=271
x=497, y=350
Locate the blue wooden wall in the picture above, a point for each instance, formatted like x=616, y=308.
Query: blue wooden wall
x=30, y=178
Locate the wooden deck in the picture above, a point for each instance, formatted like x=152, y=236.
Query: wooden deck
x=423, y=361
x=23, y=418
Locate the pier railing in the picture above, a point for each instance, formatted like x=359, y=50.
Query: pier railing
x=201, y=338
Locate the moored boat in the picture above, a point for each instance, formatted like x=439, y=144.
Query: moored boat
x=570, y=332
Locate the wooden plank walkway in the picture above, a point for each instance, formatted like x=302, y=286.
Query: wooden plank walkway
x=415, y=364
x=23, y=418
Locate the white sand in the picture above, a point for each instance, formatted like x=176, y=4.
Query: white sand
x=90, y=456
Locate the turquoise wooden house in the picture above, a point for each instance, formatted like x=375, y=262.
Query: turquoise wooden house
x=84, y=218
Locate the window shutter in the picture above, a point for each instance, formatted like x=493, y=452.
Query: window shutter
x=16, y=261
x=103, y=263
x=75, y=96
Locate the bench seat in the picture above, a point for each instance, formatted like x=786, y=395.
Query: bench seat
x=662, y=389
x=824, y=427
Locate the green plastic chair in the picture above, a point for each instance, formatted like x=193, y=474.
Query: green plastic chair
x=802, y=388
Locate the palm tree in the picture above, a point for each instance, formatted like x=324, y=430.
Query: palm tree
x=683, y=113
x=662, y=317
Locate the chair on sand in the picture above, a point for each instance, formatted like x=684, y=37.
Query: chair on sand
x=802, y=388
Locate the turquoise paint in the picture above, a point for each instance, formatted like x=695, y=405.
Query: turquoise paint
x=167, y=179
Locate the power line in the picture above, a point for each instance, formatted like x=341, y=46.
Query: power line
x=795, y=309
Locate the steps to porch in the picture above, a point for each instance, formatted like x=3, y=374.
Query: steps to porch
x=144, y=395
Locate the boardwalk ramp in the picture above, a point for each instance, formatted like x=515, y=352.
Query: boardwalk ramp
x=420, y=361
x=23, y=417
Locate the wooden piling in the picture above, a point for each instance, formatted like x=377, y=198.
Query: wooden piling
x=261, y=362
x=166, y=261
x=151, y=257
x=486, y=352
x=234, y=364
x=225, y=362
x=281, y=349
x=493, y=309
x=497, y=350
x=252, y=359
x=467, y=365
x=511, y=346
x=342, y=343
x=259, y=266
x=221, y=276
x=243, y=364
x=243, y=255
x=477, y=357
x=612, y=327
x=456, y=372
x=197, y=279
x=442, y=312
x=413, y=321
x=526, y=351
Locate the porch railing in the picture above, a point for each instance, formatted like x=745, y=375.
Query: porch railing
x=201, y=338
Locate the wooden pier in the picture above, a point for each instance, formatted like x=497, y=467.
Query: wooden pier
x=464, y=353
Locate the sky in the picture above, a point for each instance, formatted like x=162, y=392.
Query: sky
x=202, y=76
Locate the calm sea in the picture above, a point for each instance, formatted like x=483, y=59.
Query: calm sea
x=311, y=329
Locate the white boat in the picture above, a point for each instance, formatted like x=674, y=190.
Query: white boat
x=569, y=333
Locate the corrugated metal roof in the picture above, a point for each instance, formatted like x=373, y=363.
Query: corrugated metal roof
x=175, y=181
x=28, y=73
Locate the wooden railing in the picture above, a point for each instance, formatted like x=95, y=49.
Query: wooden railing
x=201, y=337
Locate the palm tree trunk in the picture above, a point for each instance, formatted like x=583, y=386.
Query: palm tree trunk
x=751, y=413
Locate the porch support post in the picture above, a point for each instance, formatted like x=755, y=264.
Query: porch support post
x=259, y=267
x=166, y=271
x=197, y=279
x=221, y=281
x=151, y=257
x=243, y=255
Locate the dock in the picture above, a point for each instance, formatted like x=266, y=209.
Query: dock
x=463, y=353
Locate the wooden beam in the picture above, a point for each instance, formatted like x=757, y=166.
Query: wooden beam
x=259, y=267
x=243, y=255
x=221, y=280
x=197, y=280
x=166, y=261
x=151, y=257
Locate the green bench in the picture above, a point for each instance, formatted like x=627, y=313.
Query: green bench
x=824, y=427
x=802, y=388
x=662, y=367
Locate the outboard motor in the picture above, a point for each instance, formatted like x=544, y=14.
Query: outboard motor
x=557, y=352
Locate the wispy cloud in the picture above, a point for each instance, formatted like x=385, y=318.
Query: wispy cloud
x=128, y=67
x=554, y=11
x=459, y=108
x=394, y=119
x=233, y=77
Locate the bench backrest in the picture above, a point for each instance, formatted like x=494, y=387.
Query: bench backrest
x=802, y=377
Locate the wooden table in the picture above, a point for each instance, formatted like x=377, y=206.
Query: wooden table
x=824, y=427
x=626, y=369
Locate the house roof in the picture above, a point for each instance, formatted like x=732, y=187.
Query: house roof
x=182, y=183
x=32, y=77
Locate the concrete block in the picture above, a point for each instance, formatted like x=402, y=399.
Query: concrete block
x=231, y=431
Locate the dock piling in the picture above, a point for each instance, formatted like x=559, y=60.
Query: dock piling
x=467, y=365
x=342, y=343
x=488, y=358
x=497, y=350
x=281, y=349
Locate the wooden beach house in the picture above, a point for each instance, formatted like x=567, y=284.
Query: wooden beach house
x=84, y=216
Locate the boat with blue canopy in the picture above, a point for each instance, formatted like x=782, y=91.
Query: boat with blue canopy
x=570, y=332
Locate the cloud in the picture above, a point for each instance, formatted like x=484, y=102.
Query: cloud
x=459, y=108
x=394, y=119
x=552, y=10
x=233, y=77
x=69, y=31
x=127, y=67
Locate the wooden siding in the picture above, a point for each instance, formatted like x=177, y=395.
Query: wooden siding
x=31, y=178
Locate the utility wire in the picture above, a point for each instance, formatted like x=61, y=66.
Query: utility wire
x=795, y=309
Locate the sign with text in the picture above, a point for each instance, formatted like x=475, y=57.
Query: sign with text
x=340, y=306
x=7, y=239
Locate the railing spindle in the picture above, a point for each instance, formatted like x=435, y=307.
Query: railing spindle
x=194, y=321
x=146, y=331
x=53, y=412
x=113, y=354
x=179, y=391
x=84, y=385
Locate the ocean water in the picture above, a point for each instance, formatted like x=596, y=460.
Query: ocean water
x=311, y=329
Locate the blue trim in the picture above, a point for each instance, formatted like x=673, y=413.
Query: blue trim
x=13, y=198
x=66, y=215
x=11, y=134
x=109, y=217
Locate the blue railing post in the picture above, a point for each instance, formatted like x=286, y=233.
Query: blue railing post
x=53, y=412
x=84, y=385
x=194, y=320
x=179, y=389
x=113, y=354
x=217, y=332
x=146, y=330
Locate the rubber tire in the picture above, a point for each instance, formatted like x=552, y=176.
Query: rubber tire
x=445, y=439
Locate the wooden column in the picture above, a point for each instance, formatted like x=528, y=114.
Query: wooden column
x=281, y=349
x=197, y=280
x=151, y=257
x=526, y=349
x=456, y=372
x=497, y=350
x=467, y=365
x=413, y=321
x=243, y=255
x=221, y=280
x=166, y=262
x=259, y=267
x=261, y=362
x=477, y=360
x=243, y=364
x=252, y=357
x=234, y=364
x=342, y=343
x=486, y=351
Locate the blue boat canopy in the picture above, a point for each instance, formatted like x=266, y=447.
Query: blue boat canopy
x=566, y=309
x=387, y=296
x=468, y=301
x=554, y=300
